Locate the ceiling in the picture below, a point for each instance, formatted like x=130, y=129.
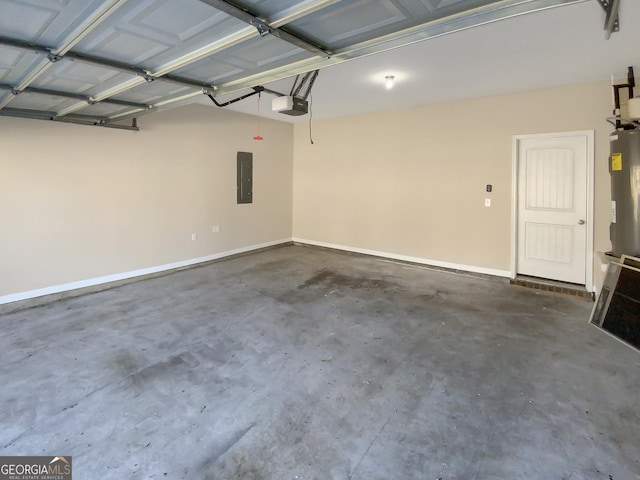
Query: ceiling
x=105, y=62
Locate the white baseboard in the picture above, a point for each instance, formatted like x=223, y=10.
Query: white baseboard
x=405, y=258
x=92, y=282
x=117, y=277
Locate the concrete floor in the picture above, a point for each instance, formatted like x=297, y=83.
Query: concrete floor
x=301, y=363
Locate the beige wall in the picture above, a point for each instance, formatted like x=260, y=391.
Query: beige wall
x=412, y=182
x=80, y=202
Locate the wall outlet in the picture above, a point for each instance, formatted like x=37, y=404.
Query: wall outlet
x=194, y=236
x=487, y=202
x=215, y=228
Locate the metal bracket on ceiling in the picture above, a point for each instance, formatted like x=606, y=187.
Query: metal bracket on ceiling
x=612, y=20
x=146, y=75
x=309, y=77
x=242, y=13
x=54, y=58
x=263, y=28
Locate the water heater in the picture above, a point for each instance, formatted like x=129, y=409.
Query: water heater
x=624, y=166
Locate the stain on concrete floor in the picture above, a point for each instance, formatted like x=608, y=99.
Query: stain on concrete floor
x=300, y=363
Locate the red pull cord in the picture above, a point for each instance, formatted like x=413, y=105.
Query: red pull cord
x=259, y=137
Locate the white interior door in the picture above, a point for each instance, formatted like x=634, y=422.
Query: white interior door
x=552, y=207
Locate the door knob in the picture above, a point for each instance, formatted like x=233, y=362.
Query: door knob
x=580, y=222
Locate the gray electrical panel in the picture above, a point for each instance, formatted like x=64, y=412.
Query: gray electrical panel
x=245, y=177
x=624, y=167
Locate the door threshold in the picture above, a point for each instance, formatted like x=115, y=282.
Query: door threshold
x=547, y=285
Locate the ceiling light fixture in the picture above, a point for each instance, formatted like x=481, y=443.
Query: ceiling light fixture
x=389, y=82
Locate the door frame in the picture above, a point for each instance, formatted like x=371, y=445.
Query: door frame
x=590, y=197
